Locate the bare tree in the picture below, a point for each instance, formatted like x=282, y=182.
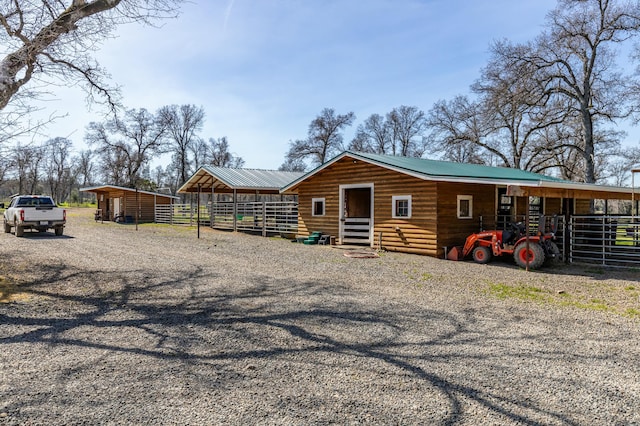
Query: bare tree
x=293, y=165
x=220, y=156
x=457, y=131
x=28, y=160
x=561, y=147
x=619, y=170
x=504, y=126
x=53, y=40
x=215, y=152
x=125, y=146
x=57, y=165
x=83, y=170
x=574, y=60
x=6, y=165
x=183, y=123
x=85, y=167
x=324, y=138
x=373, y=136
x=198, y=152
x=408, y=125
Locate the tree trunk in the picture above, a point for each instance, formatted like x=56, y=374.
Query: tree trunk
x=589, y=152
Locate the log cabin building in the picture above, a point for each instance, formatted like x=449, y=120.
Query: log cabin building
x=120, y=204
x=422, y=206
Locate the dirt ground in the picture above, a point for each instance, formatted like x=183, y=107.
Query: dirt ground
x=111, y=325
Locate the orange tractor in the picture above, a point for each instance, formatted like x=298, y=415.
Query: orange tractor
x=538, y=250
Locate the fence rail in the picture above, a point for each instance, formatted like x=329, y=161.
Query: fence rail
x=605, y=240
x=180, y=214
x=265, y=217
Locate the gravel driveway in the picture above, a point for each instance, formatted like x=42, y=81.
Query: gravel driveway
x=109, y=325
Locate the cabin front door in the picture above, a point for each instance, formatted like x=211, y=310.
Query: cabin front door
x=116, y=207
x=356, y=214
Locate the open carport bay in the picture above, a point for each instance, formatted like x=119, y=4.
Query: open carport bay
x=116, y=326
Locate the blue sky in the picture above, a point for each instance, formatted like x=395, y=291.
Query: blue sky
x=262, y=70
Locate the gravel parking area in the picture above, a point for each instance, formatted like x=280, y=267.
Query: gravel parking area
x=109, y=325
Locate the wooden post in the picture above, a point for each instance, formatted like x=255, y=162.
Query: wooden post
x=526, y=221
x=633, y=201
x=264, y=219
x=191, y=209
x=198, y=207
x=137, y=207
x=235, y=210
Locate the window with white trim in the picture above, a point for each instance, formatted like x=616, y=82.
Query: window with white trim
x=401, y=206
x=317, y=206
x=465, y=206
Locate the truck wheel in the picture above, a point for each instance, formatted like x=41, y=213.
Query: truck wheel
x=7, y=227
x=481, y=254
x=535, y=254
x=19, y=231
x=59, y=230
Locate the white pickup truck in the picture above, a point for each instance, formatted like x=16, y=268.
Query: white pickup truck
x=34, y=212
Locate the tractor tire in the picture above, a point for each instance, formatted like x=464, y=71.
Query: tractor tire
x=481, y=254
x=552, y=257
x=19, y=231
x=7, y=227
x=535, y=255
x=59, y=230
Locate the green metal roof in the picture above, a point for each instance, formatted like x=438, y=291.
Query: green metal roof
x=435, y=168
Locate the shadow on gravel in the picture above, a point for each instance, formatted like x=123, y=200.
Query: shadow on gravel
x=45, y=236
x=228, y=331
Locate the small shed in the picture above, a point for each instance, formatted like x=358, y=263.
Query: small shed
x=422, y=206
x=224, y=180
x=244, y=199
x=120, y=204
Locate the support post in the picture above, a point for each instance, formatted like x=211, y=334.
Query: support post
x=526, y=221
x=604, y=241
x=198, y=207
x=191, y=209
x=235, y=210
x=137, y=207
x=264, y=219
x=634, y=207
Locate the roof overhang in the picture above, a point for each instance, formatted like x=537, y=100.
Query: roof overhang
x=113, y=188
x=571, y=190
x=204, y=180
